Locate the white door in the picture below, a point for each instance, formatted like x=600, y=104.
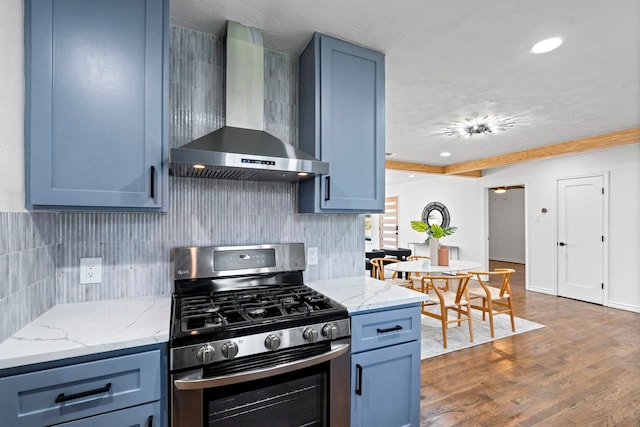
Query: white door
x=581, y=238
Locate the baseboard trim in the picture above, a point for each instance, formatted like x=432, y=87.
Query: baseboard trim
x=540, y=290
x=622, y=306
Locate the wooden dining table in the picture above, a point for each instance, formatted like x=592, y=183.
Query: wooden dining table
x=425, y=266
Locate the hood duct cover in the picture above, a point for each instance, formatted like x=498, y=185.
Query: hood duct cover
x=242, y=150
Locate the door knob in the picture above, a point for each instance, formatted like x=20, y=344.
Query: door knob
x=562, y=244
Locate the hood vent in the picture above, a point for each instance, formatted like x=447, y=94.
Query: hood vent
x=242, y=150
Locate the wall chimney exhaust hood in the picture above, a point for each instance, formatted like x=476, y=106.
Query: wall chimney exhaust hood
x=242, y=150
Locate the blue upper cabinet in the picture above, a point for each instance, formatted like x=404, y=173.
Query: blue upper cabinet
x=96, y=77
x=342, y=122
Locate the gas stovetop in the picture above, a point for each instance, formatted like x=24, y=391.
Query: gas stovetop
x=220, y=310
x=226, y=314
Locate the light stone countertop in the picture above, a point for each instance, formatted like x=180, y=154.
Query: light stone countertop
x=78, y=329
x=363, y=293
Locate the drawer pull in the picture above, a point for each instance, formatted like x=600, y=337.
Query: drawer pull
x=62, y=398
x=384, y=331
x=150, y=421
x=358, y=380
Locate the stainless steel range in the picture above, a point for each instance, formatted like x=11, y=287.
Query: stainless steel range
x=251, y=344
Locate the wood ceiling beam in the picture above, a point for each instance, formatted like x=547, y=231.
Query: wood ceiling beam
x=422, y=168
x=413, y=167
x=598, y=142
x=474, y=168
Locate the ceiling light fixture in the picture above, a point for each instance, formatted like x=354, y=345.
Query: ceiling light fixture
x=546, y=45
x=479, y=126
x=500, y=190
x=445, y=154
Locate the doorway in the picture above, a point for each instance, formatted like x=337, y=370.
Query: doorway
x=505, y=227
x=506, y=224
x=581, y=260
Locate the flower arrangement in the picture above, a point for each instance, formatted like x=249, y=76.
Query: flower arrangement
x=433, y=230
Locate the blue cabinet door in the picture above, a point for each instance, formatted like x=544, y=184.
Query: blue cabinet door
x=342, y=122
x=385, y=386
x=95, y=109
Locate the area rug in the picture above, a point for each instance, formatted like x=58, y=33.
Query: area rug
x=458, y=337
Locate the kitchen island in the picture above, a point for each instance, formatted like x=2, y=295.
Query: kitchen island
x=385, y=349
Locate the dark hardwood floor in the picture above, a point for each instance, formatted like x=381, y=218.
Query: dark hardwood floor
x=581, y=369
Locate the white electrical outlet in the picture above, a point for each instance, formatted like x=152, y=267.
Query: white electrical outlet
x=312, y=256
x=90, y=270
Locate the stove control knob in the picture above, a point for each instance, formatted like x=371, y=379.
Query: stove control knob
x=272, y=342
x=329, y=331
x=206, y=353
x=229, y=349
x=310, y=334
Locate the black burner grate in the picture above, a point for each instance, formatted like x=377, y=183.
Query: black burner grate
x=223, y=309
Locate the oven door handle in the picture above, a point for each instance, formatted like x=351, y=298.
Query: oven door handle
x=193, y=382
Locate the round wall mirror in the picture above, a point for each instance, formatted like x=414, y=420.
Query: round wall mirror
x=436, y=213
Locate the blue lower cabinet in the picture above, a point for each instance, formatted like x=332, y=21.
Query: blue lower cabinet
x=104, y=392
x=385, y=387
x=385, y=378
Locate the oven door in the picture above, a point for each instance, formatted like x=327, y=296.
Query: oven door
x=309, y=391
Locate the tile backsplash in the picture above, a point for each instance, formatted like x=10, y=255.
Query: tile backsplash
x=40, y=252
x=28, y=245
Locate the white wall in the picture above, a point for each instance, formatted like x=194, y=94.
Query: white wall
x=506, y=226
x=465, y=199
x=11, y=106
x=623, y=166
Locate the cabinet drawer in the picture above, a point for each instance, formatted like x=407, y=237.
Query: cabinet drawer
x=70, y=392
x=384, y=328
x=139, y=416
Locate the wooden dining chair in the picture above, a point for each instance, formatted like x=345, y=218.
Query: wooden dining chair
x=377, y=271
x=449, y=294
x=416, y=277
x=495, y=300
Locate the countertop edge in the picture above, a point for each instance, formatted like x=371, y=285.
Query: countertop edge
x=88, y=328
x=20, y=361
x=359, y=294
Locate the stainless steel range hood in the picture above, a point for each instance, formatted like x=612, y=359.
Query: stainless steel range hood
x=242, y=149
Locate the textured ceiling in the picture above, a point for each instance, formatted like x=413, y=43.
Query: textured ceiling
x=453, y=60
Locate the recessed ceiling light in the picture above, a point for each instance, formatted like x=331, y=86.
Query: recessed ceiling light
x=500, y=190
x=546, y=45
x=445, y=154
x=411, y=176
